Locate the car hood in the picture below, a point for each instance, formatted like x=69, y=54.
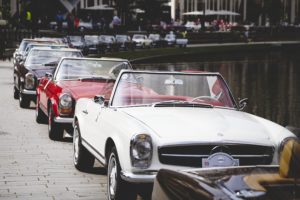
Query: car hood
x=202, y=124
x=88, y=89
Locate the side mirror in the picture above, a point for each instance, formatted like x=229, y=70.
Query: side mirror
x=243, y=103
x=99, y=99
x=48, y=75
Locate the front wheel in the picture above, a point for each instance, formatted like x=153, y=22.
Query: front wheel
x=40, y=116
x=55, y=130
x=24, y=101
x=116, y=187
x=16, y=93
x=83, y=160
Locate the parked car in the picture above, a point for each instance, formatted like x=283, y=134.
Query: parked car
x=78, y=42
x=93, y=44
x=142, y=41
x=243, y=182
x=73, y=78
x=28, y=73
x=181, y=42
x=36, y=45
x=173, y=120
x=125, y=42
x=158, y=41
x=192, y=26
x=110, y=42
x=19, y=52
x=170, y=39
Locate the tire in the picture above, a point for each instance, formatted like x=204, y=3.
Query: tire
x=117, y=188
x=40, y=116
x=55, y=130
x=83, y=160
x=24, y=101
x=16, y=93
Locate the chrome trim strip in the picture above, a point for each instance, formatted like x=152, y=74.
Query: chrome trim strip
x=63, y=120
x=29, y=92
x=203, y=156
x=93, y=151
x=138, y=178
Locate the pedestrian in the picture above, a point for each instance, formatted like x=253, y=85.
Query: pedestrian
x=59, y=21
x=28, y=19
x=76, y=22
x=70, y=22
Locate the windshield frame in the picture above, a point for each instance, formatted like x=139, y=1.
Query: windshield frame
x=83, y=58
x=235, y=105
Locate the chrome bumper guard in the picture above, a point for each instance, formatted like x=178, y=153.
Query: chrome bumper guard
x=63, y=120
x=138, y=178
x=29, y=92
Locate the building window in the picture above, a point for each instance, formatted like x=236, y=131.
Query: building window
x=90, y=3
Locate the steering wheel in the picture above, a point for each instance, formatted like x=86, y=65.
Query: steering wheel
x=215, y=98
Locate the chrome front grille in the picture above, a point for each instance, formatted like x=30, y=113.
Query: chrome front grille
x=192, y=155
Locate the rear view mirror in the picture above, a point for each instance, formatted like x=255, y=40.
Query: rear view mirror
x=243, y=103
x=48, y=75
x=99, y=99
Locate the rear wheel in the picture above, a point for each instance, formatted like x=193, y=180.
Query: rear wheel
x=55, y=130
x=83, y=160
x=116, y=187
x=24, y=100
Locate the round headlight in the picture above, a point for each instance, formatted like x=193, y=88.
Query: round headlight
x=141, y=150
x=65, y=103
x=29, y=81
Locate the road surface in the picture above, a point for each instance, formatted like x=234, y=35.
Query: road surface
x=31, y=165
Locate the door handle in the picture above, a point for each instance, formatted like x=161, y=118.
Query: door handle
x=85, y=112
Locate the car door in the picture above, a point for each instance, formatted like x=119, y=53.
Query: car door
x=92, y=124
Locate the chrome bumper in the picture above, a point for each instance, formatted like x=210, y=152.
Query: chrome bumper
x=63, y=120
x=29, y=92
x=138, y=178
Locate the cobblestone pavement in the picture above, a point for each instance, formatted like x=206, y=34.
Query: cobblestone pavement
x=31, y=165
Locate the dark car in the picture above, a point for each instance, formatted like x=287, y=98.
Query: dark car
x=38, y=62
x=158, y=41
x=19, y=52
x=93, y=44
x=110, y=42
x=125, y=42
x=244, y=182
x=78, y=42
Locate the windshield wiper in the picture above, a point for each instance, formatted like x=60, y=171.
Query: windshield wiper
x=177, y=103
x=54, y=63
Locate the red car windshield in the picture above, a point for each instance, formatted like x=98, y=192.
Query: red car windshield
x=149, y=88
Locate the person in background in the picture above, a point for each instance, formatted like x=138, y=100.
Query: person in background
x=28, y=19
x=59, y=21
x=76, y=22
x=70, y=22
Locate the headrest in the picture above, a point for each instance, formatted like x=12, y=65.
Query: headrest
x=290, y=160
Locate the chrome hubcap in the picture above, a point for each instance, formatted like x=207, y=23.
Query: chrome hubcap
x=112, y=177
x=76, y=145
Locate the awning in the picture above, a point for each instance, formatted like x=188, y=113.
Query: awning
x=100, y=7
x=212, y=12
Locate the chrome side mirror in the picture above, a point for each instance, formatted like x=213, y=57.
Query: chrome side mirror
x=99, y=99
x=243, y=103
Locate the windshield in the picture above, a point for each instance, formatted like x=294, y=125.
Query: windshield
x=149, y=88
x=107, y=38
x=121, y=37
x=42, y=57
x=23, y=45
x=154, y=37
x=170, y=37
x=71, y=69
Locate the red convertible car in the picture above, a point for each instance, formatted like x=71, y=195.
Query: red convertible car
x=74, y=78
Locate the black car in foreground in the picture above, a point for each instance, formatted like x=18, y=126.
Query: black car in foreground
x=245, y=182
x=38, y=62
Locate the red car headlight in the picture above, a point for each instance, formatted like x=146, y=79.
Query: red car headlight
x=65, y=103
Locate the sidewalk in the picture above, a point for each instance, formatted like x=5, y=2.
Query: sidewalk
x=6, y=63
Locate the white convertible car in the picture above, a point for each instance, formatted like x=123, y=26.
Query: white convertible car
x=174, y=120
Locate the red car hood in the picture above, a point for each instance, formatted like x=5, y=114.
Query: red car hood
x=88, y=89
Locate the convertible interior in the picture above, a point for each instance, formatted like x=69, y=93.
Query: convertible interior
x=286, y=183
